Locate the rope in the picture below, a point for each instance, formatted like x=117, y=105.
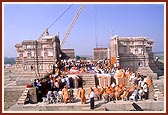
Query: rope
x=60, y=15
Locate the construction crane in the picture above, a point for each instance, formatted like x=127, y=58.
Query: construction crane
x=72, y=25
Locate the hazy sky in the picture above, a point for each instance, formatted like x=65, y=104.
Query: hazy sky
x=95, y=25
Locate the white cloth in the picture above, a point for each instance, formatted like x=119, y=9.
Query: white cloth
x=113, y=84
x=62, y=80
x=67, y=82
x=91, y=94
x=140, y=92
x=145, y=88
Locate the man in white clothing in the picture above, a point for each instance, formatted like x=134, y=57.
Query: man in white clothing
x=92, y=99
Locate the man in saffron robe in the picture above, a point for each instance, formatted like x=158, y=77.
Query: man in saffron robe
x=82, y=96
x=65, y=94
x=97, y=93
x=150, y=87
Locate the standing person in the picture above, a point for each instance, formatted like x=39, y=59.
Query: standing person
x=65, y=94
x=145, y=89
x=92, y=99
x=67, y=82
x=82, y=95
x=71, y=95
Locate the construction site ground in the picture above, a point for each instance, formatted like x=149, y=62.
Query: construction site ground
x=12, y=93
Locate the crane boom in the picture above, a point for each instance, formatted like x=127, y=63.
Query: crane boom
x=72, y=25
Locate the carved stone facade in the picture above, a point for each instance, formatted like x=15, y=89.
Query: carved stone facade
x=133, y=52
x=35, y=57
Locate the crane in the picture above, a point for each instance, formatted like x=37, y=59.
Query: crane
x=72, y=25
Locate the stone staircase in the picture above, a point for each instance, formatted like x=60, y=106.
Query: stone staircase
x=88, y=80
x=147, y=71
x=158, y=95
x=160, y=65
x=159, y=89
x=157, y=67
x=28, y=95
x=23, y=97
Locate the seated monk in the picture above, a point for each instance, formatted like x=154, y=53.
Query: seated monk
x=124, y=95
x=130, y=90
x=105, y=96
x=121, y=85
x=97, y=93
x=102, y=90
x=111, y=94
x=111, y=88
x=148, y=80
x=116, y=87
x=117, y=93
x=108, y=90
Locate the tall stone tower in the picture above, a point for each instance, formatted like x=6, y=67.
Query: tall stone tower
x=133, y=52
x=35, y=57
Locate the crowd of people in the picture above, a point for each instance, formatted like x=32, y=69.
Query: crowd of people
x=59, y=87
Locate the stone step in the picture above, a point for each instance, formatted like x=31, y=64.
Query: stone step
x=22, y=98
x=95, y=109
x=156, y=89
x=158, y=92
x=91, y=83
x=26, y=91
x=88, y=79
x=24, y=94
x=158, y=95
x=20, y=102
x=155, y=86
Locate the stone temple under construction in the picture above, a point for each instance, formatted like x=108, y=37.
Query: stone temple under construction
x=134, y=53
x=35, y=57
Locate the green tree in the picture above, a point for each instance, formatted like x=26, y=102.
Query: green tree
x=77, y=57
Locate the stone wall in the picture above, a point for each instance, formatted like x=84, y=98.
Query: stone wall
x=11, y=97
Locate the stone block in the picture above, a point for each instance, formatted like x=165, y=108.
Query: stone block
x=20, y=102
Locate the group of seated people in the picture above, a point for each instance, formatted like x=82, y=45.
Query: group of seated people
x=59, y=87
x=63, y=95
x=108, y=93
x=122, y=92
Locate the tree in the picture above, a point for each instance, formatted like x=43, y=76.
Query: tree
x=77, y=57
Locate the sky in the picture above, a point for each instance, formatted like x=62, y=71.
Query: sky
x=96, y=24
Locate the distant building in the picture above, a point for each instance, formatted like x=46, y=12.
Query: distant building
x=69, y=52
x=35, y=57
x=100, y=53
x=133, y=52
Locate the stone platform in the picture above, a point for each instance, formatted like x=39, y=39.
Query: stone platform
x=100, y=106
